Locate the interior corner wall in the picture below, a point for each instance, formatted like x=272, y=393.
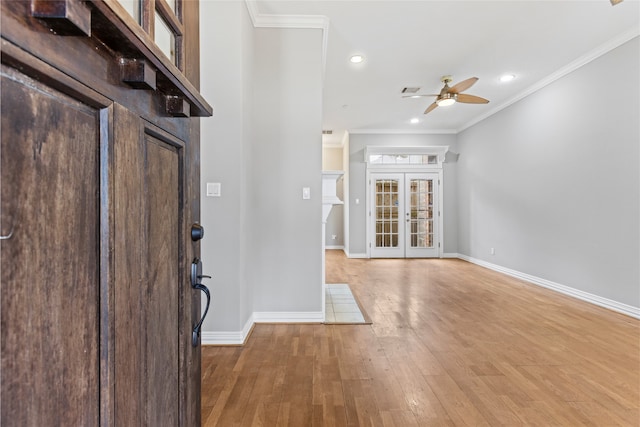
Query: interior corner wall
x=358, y=186
x=552, y=182
x=263, y=241
x=284, y=264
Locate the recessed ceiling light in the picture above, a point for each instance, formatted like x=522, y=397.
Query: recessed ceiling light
x=414, y=121
x=356, y=59
x=507, y=78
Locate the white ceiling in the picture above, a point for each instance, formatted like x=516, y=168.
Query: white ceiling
x=414, y=43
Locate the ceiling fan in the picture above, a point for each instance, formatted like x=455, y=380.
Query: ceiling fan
x=451, y=95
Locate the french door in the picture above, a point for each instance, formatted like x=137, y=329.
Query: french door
x=405, y=219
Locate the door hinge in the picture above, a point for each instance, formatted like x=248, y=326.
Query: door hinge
x=438, y=182
x=438, y=244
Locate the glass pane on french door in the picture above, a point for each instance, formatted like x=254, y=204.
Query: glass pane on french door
x=422, y=215
x=387, y=196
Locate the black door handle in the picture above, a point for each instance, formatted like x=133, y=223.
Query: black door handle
x=196, y=283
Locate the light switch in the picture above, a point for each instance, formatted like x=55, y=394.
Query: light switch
x=306, y=193
x=357, y=201
x=214, y=189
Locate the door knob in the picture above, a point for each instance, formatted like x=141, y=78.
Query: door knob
x=197, y=232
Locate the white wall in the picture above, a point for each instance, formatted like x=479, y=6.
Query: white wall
x=552, y=182
x=262, y=242
x=358, y=188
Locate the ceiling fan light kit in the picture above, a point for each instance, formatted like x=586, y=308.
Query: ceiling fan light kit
x=451, y=95
x=447, y=99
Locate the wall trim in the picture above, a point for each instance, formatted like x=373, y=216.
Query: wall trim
x=356, y=255
x=228, y=338
x=610, y=304
x=569, y=68
x=319, y=22
x=288, y=317
x=403, y=131
x=450, y=255
x=240, y=337
x=335, y=247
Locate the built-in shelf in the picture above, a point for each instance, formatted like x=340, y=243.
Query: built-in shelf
x=329, y=195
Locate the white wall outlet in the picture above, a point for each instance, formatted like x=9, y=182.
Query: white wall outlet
x=306, y=193
x=493, y=251
x=333, y=237
x=357, y=201
x=214, y=189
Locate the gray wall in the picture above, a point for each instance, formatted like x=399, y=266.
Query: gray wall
x=552, y=182
x=224, y=142
x=262, y=242
x=285, y=231
x=358, y=188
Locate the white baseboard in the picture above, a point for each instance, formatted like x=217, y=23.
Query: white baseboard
x=228, y=338
x=288, y=317
x=629, y=310
x=240, y=337
x=354, y=255
x=334, y=247
x=450, y=255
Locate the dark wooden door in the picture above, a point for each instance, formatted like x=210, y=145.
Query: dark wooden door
x=50, y=256
x=100, y=185
x=148, y=298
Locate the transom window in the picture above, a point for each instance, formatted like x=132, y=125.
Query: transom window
x=403, y=159
x=409, y=157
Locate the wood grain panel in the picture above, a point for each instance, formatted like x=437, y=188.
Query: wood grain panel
x=161, y=298
x=50, y=304
x=128, y=254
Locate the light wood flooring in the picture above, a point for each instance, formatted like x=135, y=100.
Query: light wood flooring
x=451, y=344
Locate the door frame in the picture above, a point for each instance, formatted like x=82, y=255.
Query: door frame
x=372, y=168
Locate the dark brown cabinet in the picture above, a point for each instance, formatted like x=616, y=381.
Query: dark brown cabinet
x=99, y=187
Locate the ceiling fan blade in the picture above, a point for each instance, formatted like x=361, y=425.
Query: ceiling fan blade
x=418, y=96
x=463, y=85
x=430, y=108
x=471, y=99
x=615, y=2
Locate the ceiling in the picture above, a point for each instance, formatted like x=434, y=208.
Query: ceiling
x=415, y=43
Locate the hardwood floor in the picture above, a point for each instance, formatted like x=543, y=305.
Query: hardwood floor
x=451, y=344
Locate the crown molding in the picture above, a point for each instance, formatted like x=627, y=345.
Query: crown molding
x=318, y=22
x=404, y=131
x=569, y=68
